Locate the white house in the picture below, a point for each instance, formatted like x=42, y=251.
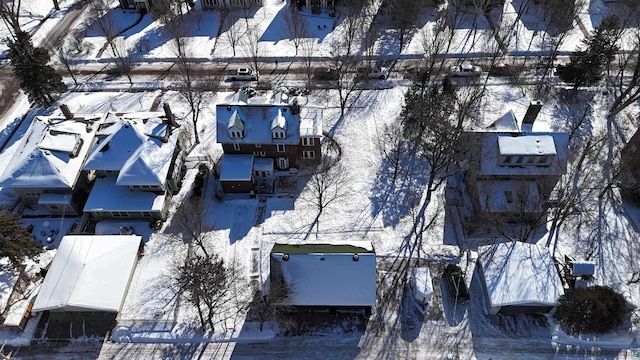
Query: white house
x=89, y=273
x=46, y=170
x=137, y=162
x=518, y=277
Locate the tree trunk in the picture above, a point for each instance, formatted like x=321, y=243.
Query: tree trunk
x=55, y=4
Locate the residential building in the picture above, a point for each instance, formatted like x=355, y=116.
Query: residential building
x=271, y=137
x=328, y=275
x=46, y=170
x=509, y=171
x=142, y=6
x=518, y=277
x=137, y=163
x=229, y=4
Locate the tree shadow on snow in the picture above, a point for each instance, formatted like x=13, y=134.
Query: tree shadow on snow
x=393, y=199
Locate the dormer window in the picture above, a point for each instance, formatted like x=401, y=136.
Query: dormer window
x=526, y=150
x=279, y=126
x=235, y=126
x=279, y=134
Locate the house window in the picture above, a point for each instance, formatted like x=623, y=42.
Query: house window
x=509, y=196
x=236, y=147
x=235, y=134
x=146, y=214
x=307, y=141
x=519, y=159
x=308, y=155
x=207, y=3
x=53, y=207
x=278, y=134
x=281, y=148
x=530, y=159
x=118, y=214
x=259, y=153
x=283, y=162
x=507, y=159
x=258, y=146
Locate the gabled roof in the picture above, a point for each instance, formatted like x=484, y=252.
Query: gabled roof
x=51, y=154
x=89, y=273
x=235, y=122
x=112, y=152
x=518, y=273
x=279, y=122
x=327, y=274
x=257, y=121
x=136, y=148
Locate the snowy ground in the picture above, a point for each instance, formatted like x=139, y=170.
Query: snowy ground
x=154, y=320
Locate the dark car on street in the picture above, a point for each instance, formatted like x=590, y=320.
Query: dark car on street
x=454, y=279
x=502, y=69
x=327, y=73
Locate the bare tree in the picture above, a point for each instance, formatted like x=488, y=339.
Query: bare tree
x=123, y=55
x=308, y=47
x=405, y=15
x=62, y=53
x=254, y=48
x=393, y=148
x=233, y=32
x=347, y=81
x=436, y=42
x=328, y=184
x=204, y=282
x=101, y=17
x=353, y=25
x=627, y=82
x=10, y=13
x=429, y=121
x=191, y=220
x=295, y=26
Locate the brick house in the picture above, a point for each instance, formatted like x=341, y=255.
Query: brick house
x=271, y=137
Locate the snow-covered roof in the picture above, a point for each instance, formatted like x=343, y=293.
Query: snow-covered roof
x=518, y=273
x=490, y=153
x=108, y=195
x=257, y=120
x=422, y=281
x=236, y=167
x=506, y=122
x=136, y=148
x=530, y=144
x=310, y=122
x=320, y=274
x=279, y=121
x=265, y=164
x=51, y=153
x=89, y=273
x=513, y=196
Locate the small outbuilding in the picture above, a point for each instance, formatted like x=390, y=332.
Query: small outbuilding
x=518, y=277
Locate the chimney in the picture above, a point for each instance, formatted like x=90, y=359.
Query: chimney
x=530, y=117
x=65, y=110
x=169, y=115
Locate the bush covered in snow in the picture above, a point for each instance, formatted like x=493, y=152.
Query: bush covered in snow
x=592, y=310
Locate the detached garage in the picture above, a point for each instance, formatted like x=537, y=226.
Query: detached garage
x=86, y=284
x=518, y=277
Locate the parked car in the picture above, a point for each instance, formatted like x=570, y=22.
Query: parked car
x=373, y=72
x=465, y=69
x=327, y=73
x=243, y=74
x=454, y=279
x=503, y=69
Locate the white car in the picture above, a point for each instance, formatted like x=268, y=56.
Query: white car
x=243, y=74
x=465, y=69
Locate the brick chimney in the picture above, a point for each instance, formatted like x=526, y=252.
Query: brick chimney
x=65, y=110
x=530, y=117
x=170, y=117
